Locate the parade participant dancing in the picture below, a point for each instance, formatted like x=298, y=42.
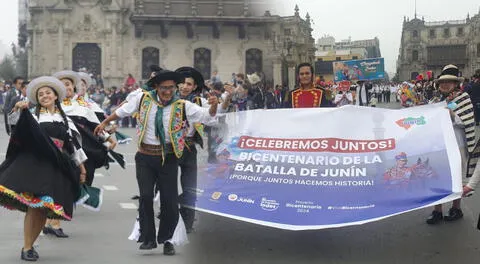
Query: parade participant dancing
x=461, y=112
x=191, y=90
x=40, y=175
x=81, y=96
x=86, y=121
x=162, y=130
x=307, y=95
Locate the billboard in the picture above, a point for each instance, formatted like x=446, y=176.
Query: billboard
x=359, y=70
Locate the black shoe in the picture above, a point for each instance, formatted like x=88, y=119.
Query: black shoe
x=58, y=233
x=435, y=218
x=35, y=253
x=47, y=230
x=453, y=214
x=29, y=255
x=148, y=245
x=168, y=249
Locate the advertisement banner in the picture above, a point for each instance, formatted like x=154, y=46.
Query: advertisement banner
x=359, y=70
x=322, y=168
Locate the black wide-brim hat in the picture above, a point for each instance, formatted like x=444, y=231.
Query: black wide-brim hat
x=165, y=75
x=189, y=72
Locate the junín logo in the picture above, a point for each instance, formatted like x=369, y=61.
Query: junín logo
x=409, y=122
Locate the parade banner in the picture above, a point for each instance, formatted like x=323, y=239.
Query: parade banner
x=322, y=168
x=359, y=70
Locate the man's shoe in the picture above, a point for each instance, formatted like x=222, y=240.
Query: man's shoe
x=453, y=214
x=58, y=233
x=148, y=245
x=29, y=255
x=435, y=218
x=168, y=249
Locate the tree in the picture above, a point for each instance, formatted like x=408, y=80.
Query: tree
x=21, y=60
x=7, y=68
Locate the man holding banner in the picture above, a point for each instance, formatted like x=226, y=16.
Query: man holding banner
x=461, y=111
x=307, y=95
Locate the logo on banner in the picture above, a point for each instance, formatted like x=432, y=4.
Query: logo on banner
x=269, y=205
x=232, y=197
x=216, y=195
x=235, y=198
x=409, y=122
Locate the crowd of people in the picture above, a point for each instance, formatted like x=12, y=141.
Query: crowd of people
x=61, y=126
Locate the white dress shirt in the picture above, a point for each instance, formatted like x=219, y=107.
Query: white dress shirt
x=194, y=113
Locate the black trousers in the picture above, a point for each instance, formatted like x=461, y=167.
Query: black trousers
x=188, y=180
x=476, y=112
x=90, y=168
x=151, y=171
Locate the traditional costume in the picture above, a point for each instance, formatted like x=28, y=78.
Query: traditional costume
x=307, y=98
x=162, y=132
x=86, y=120
x=188, y=162
x=40, y=169
x=464, y=127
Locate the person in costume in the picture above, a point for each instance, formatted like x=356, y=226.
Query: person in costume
x=191, y=90
x=162, y=131
x=44, y=162
x=461, y=112
x=86, y=120
x=82, y=96
x=400, y=174
x=307, y=95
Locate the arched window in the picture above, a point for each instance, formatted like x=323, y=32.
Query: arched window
x=150, y=56
x=253, y=61
x=202, y=61
x=415, y=55
x=87, y=55
x=415, y=34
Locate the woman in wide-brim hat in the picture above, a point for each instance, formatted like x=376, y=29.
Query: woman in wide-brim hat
x=44, y=162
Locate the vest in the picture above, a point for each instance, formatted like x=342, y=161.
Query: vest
x=177, y=128
x=199, y=127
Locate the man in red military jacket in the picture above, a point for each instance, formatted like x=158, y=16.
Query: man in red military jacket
x=307, y=95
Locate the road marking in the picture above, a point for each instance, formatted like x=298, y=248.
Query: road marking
x=110, y=188
x=128, y=206
x=99, y=175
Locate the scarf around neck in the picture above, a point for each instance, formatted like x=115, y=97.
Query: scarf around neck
x=159, y=129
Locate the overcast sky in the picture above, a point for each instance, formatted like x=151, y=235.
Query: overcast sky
x=359, y=19
x=366, y=19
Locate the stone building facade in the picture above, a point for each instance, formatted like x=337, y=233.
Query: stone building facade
x=116, y=37
x=429, y=46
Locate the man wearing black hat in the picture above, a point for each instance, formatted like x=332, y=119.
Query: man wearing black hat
x=191, y=90
x=162, y=130
x=461, y=112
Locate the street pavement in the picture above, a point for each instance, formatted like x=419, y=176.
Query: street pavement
x=101, y=237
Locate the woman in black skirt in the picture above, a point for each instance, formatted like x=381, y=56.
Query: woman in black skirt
x=40, y=175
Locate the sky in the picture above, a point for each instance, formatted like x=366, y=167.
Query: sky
x=358, y=19
x=367, y=19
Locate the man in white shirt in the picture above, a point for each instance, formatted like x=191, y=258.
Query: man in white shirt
x=162, y=130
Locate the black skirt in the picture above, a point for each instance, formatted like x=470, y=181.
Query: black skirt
x=36, y=173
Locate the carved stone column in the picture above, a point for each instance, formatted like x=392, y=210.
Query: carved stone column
x=61, y=51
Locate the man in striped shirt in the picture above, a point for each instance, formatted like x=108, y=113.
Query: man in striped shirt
x=462, y=114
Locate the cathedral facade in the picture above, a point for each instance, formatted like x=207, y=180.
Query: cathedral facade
x=429, y=46
x=116, y=37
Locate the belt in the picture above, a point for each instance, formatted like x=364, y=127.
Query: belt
x=155, y=150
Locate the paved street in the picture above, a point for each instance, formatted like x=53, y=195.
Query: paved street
x=102, y=237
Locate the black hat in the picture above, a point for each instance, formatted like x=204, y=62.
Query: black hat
x=155, y=68
x=450, y=73
x=165, y=75
x=189, y=72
